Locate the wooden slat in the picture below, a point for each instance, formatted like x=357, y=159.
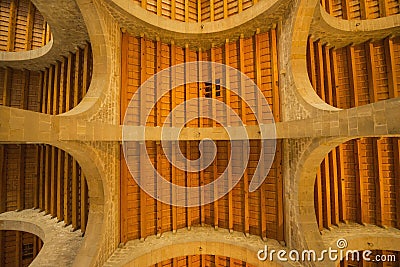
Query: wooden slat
x=74, y=195
x=228, y=122
x=12, y=25
x=246, y=229
x=3, y=179
x=21, y=179
x=29, y=26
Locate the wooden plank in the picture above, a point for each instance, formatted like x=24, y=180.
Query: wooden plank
x=246, y=229
x=60, y=183
x=3, y=179
x=74, y=195
x=229, y=151
x=84, y=203
x=7, y=87
x=29, y=26
x=391, y=68
x=53, y=182
x=21, y=179
x=12, y=25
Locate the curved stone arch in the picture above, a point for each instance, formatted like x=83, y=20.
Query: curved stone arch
x=197, y=241
x=63, y=42
x=61, y=244
x=133, y=17
x=297, y=37
x=359, y=237
x=340, y=32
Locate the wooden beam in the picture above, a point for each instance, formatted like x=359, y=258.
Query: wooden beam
x=371, y=69
x=60, y=185
x=56, y=88
x=391, y=68
x=159, y=151
x=18, y=248
x=69, y=90
x=200, y=94
x=159, y=7
x=173, y=9
x=262, y=191
x=144, y=4
x=186, y=10
x=396, y=160
x=44, y=90
x=143, y=61
x=240, y=6
x=246, y=229
x=320, y=69
x=53, y=182
x=77, y=75
x=3, y=179
x=212, y=10
x=189, y=216
x=383, y=8
x=74, y=195
x=319, y=200
x=21, y=179
x=228, y=122
x=29, y=26
x=36, y=180
x=2, y=245
x=25, y=90
x=50, y=90
x=364, y=9
x=62, y=88
x=327, y=199
x=41, y=180
x=40, y=92
x=12, y=25
x=66, y=189
x=346, y=9
x=225, y=9
x=8, y=73
x=312, y=72
x=361, y=205
x=276, y=107
x=47, y=179
x=173, y=169
x=199, y=12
